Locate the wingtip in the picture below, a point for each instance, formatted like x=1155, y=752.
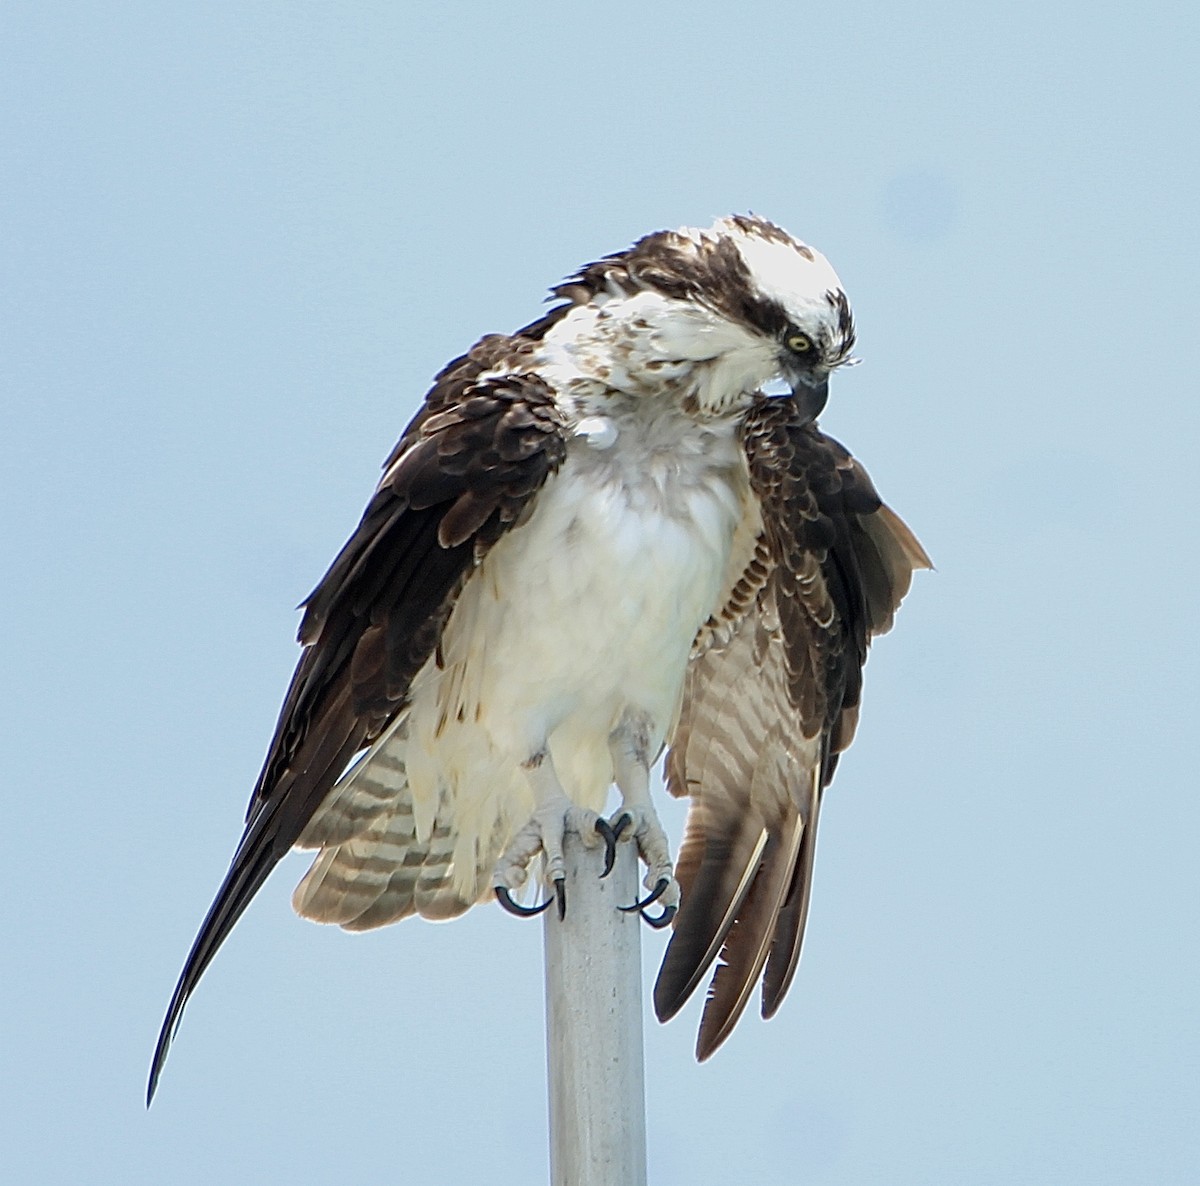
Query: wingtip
x=681, y=973
x=161, y=1048
x=667, y=1004
x=709, y=1041
x=771, y=1006
x=156, y=1066
x=776, y=986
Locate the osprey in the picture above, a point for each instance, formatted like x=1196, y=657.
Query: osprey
x=597, y=539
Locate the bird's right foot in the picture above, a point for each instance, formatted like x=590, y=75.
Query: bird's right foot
x=544, y=834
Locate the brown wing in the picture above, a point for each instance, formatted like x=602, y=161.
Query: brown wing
x=464, y=473
x=771, y=699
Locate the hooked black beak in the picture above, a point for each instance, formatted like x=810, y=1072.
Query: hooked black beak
x=810, y=394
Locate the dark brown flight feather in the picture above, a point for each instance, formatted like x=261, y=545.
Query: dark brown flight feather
x=768, y=706
x=462, y=475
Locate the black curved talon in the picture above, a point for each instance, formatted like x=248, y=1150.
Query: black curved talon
x=610, y=846
x=649, y=900
x=560, y=896
x=611, y=834
x=506, y=900
x=663, y=920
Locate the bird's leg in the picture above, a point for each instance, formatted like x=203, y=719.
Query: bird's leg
x=553, y=815
x=629, y=745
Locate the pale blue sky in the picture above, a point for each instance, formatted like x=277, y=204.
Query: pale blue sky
x=238, y=239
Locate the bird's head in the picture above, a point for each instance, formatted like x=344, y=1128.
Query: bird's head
x=721, y=311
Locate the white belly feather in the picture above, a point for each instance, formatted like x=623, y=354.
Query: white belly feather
x=586, y=610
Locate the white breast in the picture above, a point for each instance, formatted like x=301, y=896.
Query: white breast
x=586, y=610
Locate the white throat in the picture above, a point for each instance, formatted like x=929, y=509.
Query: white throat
x=648, y=346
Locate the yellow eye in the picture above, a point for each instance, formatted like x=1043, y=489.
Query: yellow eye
x=799, y=343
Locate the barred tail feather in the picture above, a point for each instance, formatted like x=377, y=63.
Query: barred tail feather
x=374, y=868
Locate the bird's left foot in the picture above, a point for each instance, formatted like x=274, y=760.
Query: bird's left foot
x=641, y=824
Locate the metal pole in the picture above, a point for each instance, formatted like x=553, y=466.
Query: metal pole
x=594, y=1025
